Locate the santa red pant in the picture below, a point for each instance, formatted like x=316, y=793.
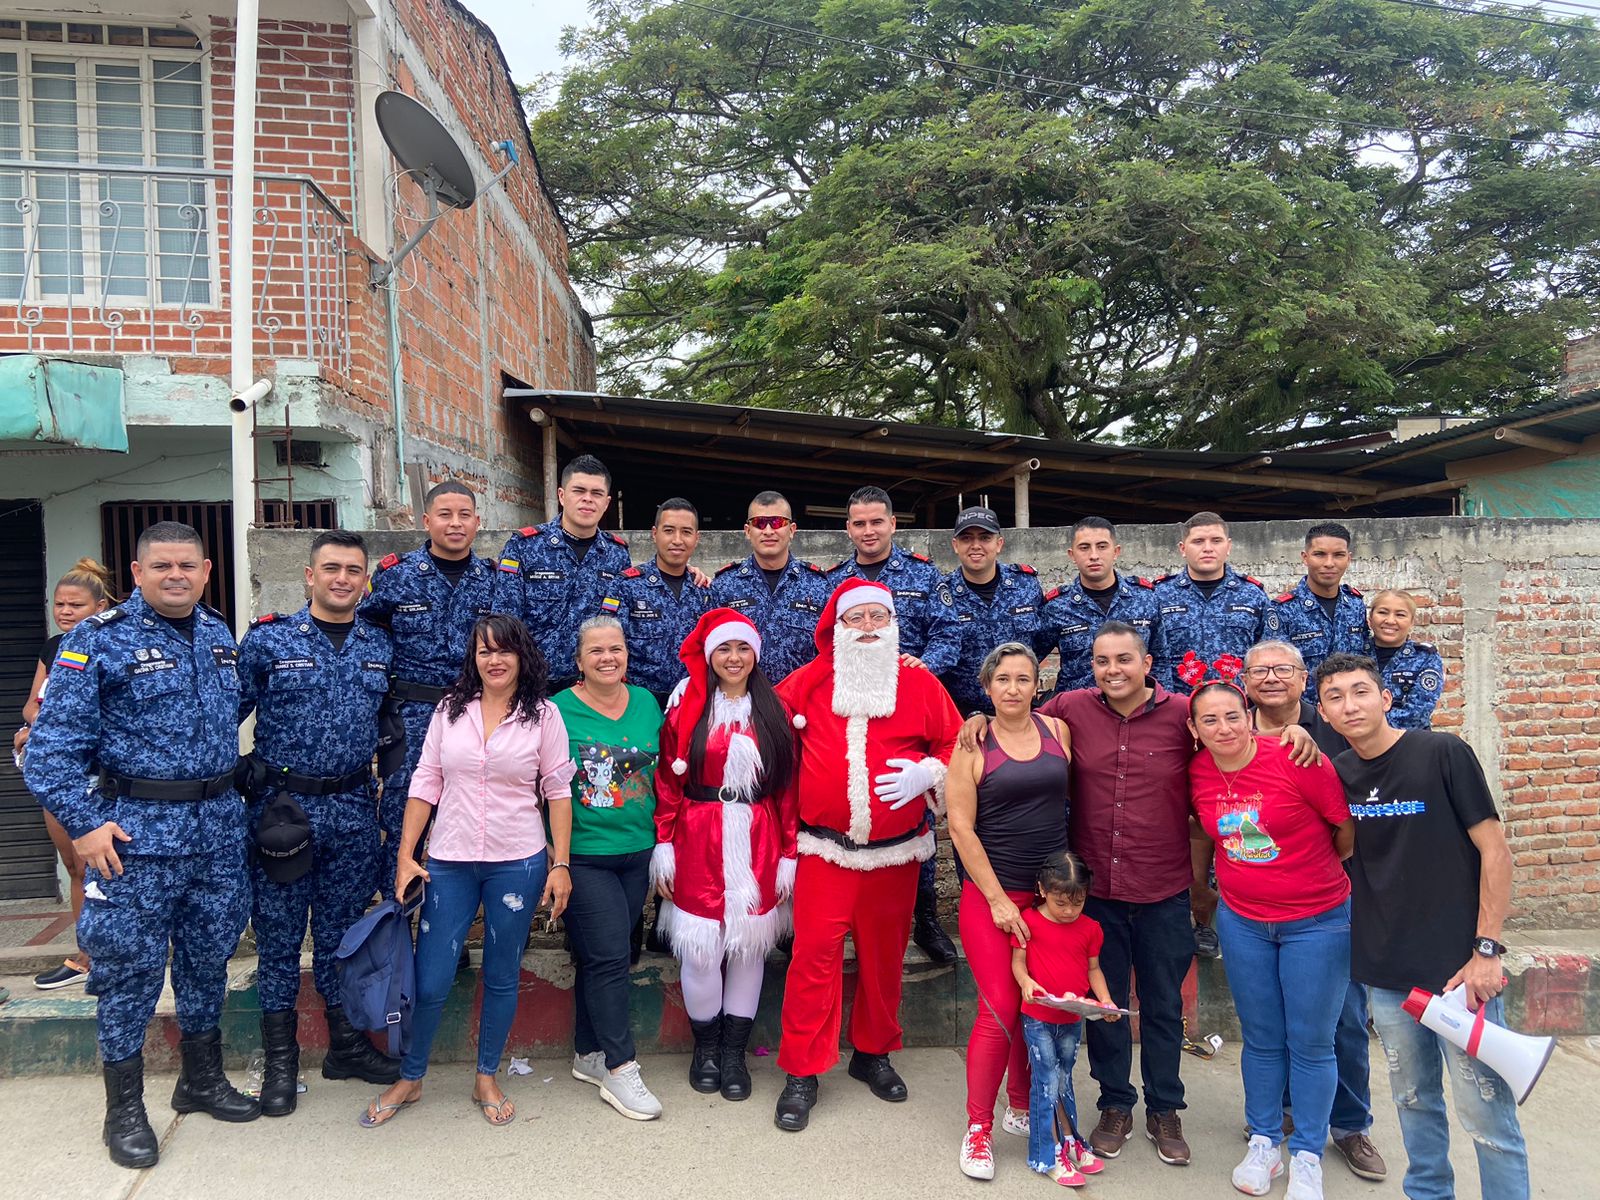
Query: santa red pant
x=874, y=907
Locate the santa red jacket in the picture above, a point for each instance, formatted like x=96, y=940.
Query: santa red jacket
x=841, y=820
x=728, y=860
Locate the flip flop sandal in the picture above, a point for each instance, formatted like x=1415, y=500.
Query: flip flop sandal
x=498, y=1107
x=369, y=1121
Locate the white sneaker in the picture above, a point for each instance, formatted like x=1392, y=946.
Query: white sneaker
x=977, y=1153
x=1305, y=1176
x=625, y=1091
x=589, y=1068
x=1015, y=1121
x=1263, y=1162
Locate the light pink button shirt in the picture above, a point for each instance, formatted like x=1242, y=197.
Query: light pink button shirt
x=488, y=795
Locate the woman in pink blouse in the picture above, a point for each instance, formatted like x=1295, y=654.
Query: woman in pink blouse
x=495, y=756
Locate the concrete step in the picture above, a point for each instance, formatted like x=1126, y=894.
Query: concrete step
x=1554, y=989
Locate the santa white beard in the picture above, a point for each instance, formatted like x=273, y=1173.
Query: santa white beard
x=866, y=675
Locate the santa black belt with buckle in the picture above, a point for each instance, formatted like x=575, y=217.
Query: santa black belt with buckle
x=406, y=689
x=849, y=843
x=711, y=795
x=167, y=789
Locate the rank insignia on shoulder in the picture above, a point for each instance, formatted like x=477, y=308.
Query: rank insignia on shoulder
x=1026, y=569
x=387, y=561
x=510, y=564
x=1051, y=594
x=727, y=567
x=811, y=566
x=266, y=619
x=1254, y=580
x=1283, y=599
x=918, y=557
x=74, y=659
x=107, y=617
x=1356, y=592
x=528, y=530
x=632, y=573
x=617, y=538
x=1164, y=578
x=1143, y=582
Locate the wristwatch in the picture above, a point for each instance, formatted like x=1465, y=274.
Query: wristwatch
x=1487, y=947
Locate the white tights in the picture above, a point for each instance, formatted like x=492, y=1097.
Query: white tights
x=733, y=987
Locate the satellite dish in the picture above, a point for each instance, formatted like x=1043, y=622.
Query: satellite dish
x=427, y=152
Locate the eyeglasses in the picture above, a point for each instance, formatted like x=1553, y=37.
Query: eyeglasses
x=770, y=522
x=865, y=618
x=1280, y=670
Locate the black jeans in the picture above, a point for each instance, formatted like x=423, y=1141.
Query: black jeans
x=608, y=893
x=1157, y=942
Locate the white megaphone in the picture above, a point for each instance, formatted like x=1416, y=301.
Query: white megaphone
x=1515, y=1057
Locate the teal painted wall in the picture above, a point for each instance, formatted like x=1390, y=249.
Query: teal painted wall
x=1569, y=487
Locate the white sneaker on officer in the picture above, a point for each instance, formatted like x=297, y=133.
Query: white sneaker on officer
x=1263, y=1162
x=1015, y=1121
x=977, y=1153
x=589, y=1068
x=625, y=1091
x=1305, y=1176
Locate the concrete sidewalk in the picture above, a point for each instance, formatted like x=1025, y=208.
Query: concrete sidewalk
x=566, y=1142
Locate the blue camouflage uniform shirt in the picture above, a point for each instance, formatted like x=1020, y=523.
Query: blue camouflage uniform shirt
x=428, y=617
x=1414, y=677
x=655, y=622
x=130, y=694
x=786, y=615
x=316, y=707
x=913, y=579
x=1072, y=618
x=541, y=581
x=1196, y=637
x=965, y=629
x=1297, y=617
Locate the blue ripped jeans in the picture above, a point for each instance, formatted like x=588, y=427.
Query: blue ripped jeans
x=1052, y=1051
x=509, y=892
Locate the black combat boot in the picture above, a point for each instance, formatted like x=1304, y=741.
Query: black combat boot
x=202, y=1087
x=735, y=1075
x=127, y=1129
x=705, y=1072
x=795, y=1102
x=926, y=930
x=351, y=1056
x=280, y=1081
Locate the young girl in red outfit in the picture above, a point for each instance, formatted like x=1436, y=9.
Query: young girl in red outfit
x=726, y=822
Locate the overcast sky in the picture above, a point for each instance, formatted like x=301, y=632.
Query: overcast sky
x=529, y=30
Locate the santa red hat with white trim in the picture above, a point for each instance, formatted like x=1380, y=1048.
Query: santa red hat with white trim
x=715, y=628
x=852, y=593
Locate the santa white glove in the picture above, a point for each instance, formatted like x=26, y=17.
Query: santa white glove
x=906, y=783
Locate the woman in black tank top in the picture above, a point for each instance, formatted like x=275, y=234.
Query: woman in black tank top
x=1008, y=813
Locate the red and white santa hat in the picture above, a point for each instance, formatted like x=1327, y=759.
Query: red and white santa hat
x=849, y=594
x=715, y=628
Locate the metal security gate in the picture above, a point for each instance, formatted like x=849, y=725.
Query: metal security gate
x=27, y=860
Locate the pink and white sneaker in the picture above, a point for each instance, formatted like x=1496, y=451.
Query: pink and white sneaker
x=1066, y=1172
x=977, y=1153
x=1077, y=1152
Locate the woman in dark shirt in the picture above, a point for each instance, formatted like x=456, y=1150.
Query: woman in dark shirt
x=1008, y=813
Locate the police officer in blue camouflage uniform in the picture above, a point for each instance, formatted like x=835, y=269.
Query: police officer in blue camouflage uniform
x=552, y=576
x=148, y=694
x=980, y=604
x=1074, y=612
x=1322, y=615
x=782, y=594
x=659, y=600
x=1413, y=671
x=1207, y=615
x=428, y=600
x=317, y=682
x=870, y=524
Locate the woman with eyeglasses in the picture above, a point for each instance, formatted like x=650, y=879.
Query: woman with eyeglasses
x=782, y=594
x=1284, y=921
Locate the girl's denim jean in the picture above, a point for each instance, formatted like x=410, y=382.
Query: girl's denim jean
x=1052, y=1051
x=508, y=893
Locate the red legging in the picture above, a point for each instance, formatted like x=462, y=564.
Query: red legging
x=996, y=1043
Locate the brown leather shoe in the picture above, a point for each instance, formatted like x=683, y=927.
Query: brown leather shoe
x=1166, y=1131
x=1362, y=1156
x=1115, y=1128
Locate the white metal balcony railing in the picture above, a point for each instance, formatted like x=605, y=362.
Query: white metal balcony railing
x=137, y=247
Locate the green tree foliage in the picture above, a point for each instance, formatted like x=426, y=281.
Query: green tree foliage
x=1222, y=223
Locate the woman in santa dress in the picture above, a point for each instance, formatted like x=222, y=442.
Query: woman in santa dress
x=726, y=820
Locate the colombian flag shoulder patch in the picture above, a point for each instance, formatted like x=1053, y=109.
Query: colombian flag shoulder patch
x=72, y=658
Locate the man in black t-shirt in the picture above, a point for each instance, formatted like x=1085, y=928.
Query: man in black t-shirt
x=1430, y=886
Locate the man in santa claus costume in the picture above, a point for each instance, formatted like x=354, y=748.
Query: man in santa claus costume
x=875, y=743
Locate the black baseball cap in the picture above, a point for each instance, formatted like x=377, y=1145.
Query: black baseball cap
x=976, y=517
x=283, y=839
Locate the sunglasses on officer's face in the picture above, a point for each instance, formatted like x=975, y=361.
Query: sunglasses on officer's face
x=770, y=522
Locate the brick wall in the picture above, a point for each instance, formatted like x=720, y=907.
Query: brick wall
x=1581, y=369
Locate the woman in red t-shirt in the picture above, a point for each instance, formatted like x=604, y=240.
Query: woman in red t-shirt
x=1284, y=922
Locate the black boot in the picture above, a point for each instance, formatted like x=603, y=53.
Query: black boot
x=127, y=1129
x=795, y=1102
x=926, y=931
x=705, y=1073
x=735, y=1075
x=878, y=1073
x=202, y=1087
x=351, y=1056
x=653, y=941
x=280, y=1081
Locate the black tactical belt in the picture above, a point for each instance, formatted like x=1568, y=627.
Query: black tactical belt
x=315, y=785
x=710, y=795
x=849, y=843
x=167, y=789
x=405, y=689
